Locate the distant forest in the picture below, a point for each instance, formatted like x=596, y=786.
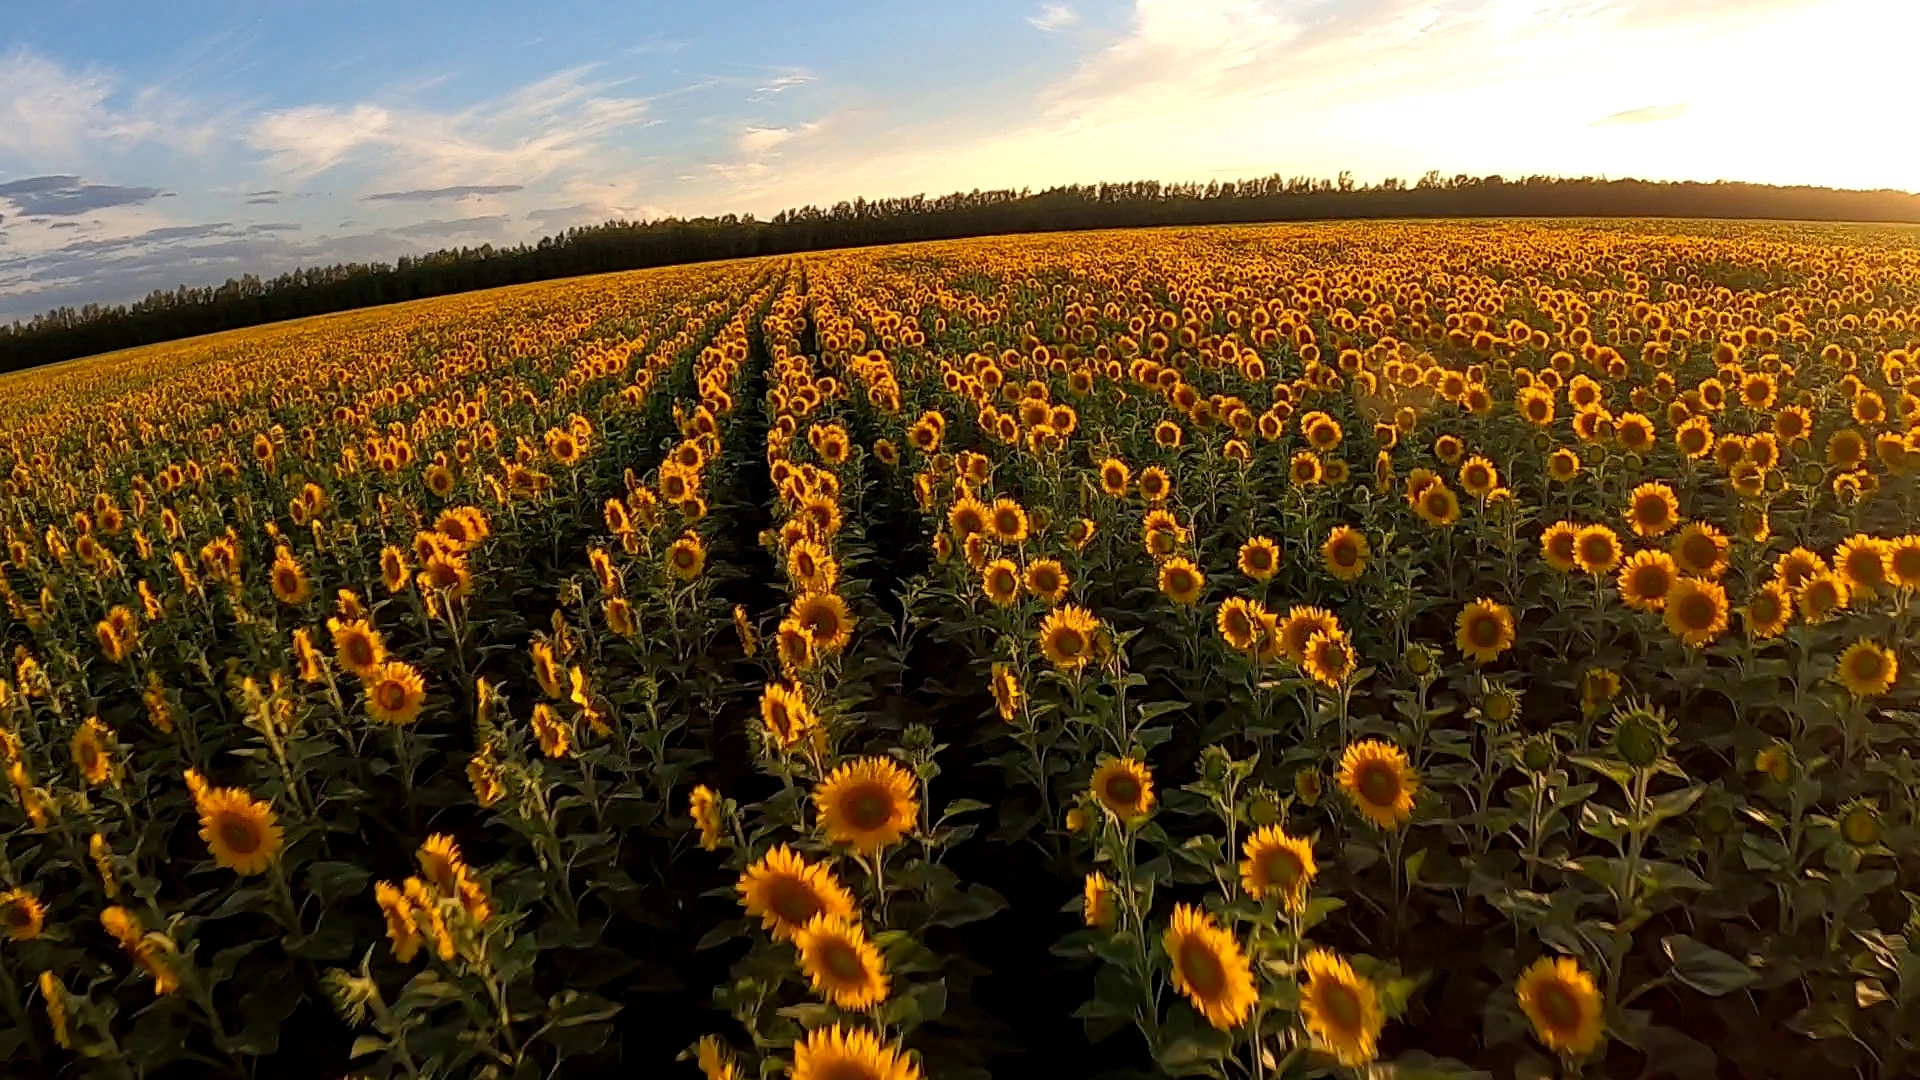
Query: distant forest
x=623, y=245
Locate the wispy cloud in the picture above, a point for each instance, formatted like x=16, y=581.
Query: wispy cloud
x=1650, y=114
x=68, y=196
x=1053, y=17
x=458, y=191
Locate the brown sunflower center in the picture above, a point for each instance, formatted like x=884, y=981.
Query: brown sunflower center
x=868, y=807
x=792, y=901
x=1180, y=581
x=1651, y=580
x=1260, y=559
x=1700, y=551
x=359, y=650
x=1069, y=641
x=1202, y=968
x=1559, y=1007
x=1696, y=611
x=841, y=961
x=390, y=694
x=1379, y=785
x=1868, y=665
x=1341, y=1005
x=1123, y=789
x=1279, y=866
x=1484, y=631
x=239, y=834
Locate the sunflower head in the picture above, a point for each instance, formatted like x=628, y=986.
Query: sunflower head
x=1563, y=1004
x=1381, y=784
x=1124, y=786
x=1209, y=968
x=1641, y=734
x=1341, y=1009
x=1278, y=866
x=842, y=964
x=867, y=804
x=1867, y=669
x=1181, y=581
x=1484, y=630
x=786, y=892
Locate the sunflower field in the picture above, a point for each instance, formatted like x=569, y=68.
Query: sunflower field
x=1369, y=649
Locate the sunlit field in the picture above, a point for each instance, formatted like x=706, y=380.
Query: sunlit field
x=1250, y=652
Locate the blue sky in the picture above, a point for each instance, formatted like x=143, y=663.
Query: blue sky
x=150, y=144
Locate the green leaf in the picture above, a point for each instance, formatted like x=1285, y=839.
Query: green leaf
x=367, y=1044
x=1705, y=968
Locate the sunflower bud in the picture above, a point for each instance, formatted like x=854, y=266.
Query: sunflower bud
x=1500, y=706
x=1640, y=737
x=917, y=737
x=1306, y=786
x=1860, y=823
x=1264, y=808
x=1539, y=754
x=1419, y=659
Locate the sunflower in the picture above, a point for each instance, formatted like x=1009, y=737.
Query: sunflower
x=1634, y=432
x=1080, y=533
x=1696, y=611
x=553, y=734
x=1557, y=545
x=1182, y=581
x=1278, y=867
x=1341, y=1009
x=1484, y=630
x=1796, y=566
x=1563, y=1005
x=440, y=861
x=1238, y=621
x=1329, y=659
x=1699, y=549
x=842, y=964
x=1438, y=505
x=867, y=804
x=1563, y=465
x=1377, y=778
x=1259, y=558
x=239, y=829
x=825, y=618
x=1694, y=437
x=811, y=567
x=1298, y=630
x=1114, y=477
x=1822, y=594
x=1903, y=561
x=1652, y=509
x=1867, y=669
x=1304, y=470
x=1096, y=900
x=1067, y=636
x=1768, y=612
x=1345, y=553
x=1535, y=405
x=92, y=752
x=1861, y=561
x=1646, y=578
x=1596, y=550
x=785, y=714
x=289, y=579
x=1001, y=582
x=21, y=915
x=686, y=557
x=786, y=892
x=1478, y=476
x=837, y=1053
x=1008, y=521
x=714, y=1060
x=1123, y=786
x=967, y=517
x=357, y=646
x=1209, y=968
x=395, y=693
x=1006, y=692
x=704, y=807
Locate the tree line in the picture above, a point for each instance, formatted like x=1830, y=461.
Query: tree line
x=164, y=315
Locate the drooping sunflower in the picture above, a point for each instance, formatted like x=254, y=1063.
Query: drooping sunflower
x=1000, y=581
x=785, y=714
x=867, y=804
x=1329, y=659
x=395, y=692
x=1563, y=1004
x=1769, y=611
x=842, y=964
x=1699, y=549
x=1278, y=867
x=1696, y=611
x=1006, y=692
x=1124, y=786
x=837, y=1053
x=826, y=619
x=22, y=916
x=552, y=732
x=1209, y=968
x=1378, y=779
x=704, y=807
x=357, y=646
x=1646, y=578
x=786, y=891
x=1867, y=669
x=1557, y=545
x=1345, y=553
x=1067, y=637
x=1596, y=550
x=1484, y=630
x=1259, y=558
x=1341, y=1009
x=440, y=862
x=239, y=830
x=1653, y=509
x=1822, y=594
x=1181, y=581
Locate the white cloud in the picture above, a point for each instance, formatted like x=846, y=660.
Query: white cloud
x=1053, y=17
x=526, y=135
x=51, y=117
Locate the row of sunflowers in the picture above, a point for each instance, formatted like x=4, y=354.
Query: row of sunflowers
x=1395, y=649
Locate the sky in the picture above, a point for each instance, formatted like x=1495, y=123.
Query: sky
x=156, y=143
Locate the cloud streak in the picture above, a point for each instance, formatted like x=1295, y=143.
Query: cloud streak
x=458, y=191
x=1650, y=114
